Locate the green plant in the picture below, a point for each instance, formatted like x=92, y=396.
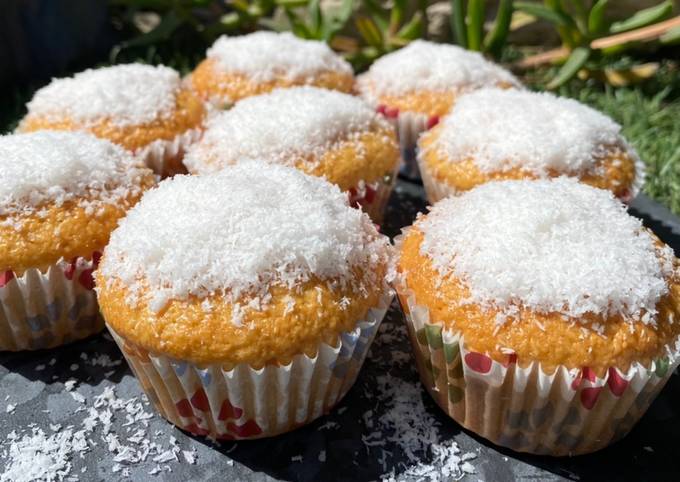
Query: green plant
x=581, y=24
x=467, y=25
x=383, y=28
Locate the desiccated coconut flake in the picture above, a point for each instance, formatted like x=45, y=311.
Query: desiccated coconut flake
x=131, y=94
x=57, y=167
x=427, y=66
x=263, y=56
x=281, y=127
x=239, y=232
x=537, y=132
x=548, y=245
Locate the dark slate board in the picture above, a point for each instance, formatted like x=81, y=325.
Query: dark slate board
x=649, y=452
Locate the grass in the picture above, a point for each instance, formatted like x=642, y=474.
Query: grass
x=649, y=114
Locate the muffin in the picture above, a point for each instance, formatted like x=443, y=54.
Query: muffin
x=61, y=195
x=245, y=301
x=542, y=315
x=143, y=108
x=321, y=132
x=494, y=134
x=257, y=63
x=418, y=84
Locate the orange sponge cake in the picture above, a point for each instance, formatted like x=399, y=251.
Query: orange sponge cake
x=61, y=195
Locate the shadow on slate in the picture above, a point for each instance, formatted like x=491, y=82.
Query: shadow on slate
x=24, y=363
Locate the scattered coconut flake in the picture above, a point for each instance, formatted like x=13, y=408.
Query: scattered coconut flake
x=301, y=122
x=427, y=66
x=538, y=132
x=548, y=245
x=402, y=420
x=57, y=167
x=263, y=56
x=124, y=95
x=239, y=232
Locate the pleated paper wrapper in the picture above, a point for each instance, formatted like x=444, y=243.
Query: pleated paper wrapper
x=47, y=308
x=373, y=197
x=244, y=402
x=164, y=156
x=409, y=126
x=568, y=412
x=436, y=190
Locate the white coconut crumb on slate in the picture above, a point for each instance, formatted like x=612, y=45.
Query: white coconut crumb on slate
x=58, y=167
x=281, y=127
x=131, y=94
x=405, y=423
x=427, y=66
x=239, y=232
x=264, y=56
x=538, y=132
x=550, y=246
x=35, y=455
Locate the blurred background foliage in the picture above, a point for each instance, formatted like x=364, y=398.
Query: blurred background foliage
x=620, y=56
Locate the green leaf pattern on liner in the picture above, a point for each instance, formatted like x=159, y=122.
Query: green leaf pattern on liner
x=421, y=336
x=455, y=394
x=450, y=352
x=661, y=367
x=434, y=336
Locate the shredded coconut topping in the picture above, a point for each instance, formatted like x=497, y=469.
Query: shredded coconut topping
x=263, y=56
x=53, y=166
x=539, y=132
x=240, y=231
x=281, y=127
x=130, y=94
x=551, y=246
x=428, y=66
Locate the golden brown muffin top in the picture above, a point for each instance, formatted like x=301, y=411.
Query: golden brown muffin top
x=554, y=271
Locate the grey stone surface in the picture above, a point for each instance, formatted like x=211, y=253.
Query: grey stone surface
x=649, y=452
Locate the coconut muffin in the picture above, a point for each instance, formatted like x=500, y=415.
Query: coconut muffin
x=321, y=132
x=253, y=64
x=494, y=134
x=61, y=195
x=143, y=108
x=542, y=315
x=418, y=84
x=256, y=273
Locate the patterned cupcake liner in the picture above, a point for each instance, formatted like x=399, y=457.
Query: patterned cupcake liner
x=567, y=412
x=374, y=197
x=164, y=157
x=436, y=190
x=528, y=409
x=249, y=403
x=409, y=126
x=47, y=308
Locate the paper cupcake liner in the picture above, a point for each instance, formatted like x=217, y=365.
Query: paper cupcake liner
x=436, y=190
x=640, y=175
x=374, y=197
x=48, y=308
x=164, y=157
x=248, y=403
x=409, y=126
x=568, y=412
